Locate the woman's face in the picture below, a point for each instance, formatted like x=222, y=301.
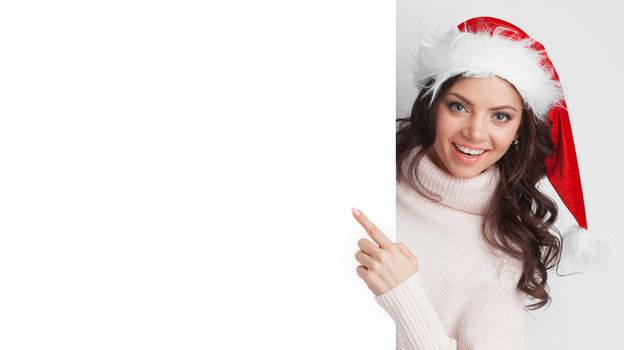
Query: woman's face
x=476, y=121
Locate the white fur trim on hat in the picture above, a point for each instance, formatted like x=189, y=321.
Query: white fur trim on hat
x=585, y=251
x=483, y=55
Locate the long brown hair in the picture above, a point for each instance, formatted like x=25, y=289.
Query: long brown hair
x=519, y=220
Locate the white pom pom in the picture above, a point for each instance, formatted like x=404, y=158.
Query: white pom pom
x=585, y=251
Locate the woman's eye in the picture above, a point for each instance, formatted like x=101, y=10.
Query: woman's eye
x=501, y=117
x=456, y=107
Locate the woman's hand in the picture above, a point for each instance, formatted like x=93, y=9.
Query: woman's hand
x=385, y=264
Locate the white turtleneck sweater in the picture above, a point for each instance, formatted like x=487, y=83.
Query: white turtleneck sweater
x=464, y=295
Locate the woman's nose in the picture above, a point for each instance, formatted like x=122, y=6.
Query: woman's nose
x=476, y=128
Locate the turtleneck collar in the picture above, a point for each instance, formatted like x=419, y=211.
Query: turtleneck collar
x=471, y=195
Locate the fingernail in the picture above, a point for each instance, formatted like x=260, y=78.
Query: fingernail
x=355, y=212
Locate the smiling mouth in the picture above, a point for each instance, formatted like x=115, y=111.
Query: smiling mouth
x=470, y=153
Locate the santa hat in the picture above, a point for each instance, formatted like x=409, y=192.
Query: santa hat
x=487, y=46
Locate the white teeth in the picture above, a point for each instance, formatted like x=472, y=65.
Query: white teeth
x=472, y=152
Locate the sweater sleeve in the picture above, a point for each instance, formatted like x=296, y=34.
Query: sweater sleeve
x=493, y=319
x=415, y=317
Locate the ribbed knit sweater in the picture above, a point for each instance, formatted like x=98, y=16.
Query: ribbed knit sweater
x=464, y=294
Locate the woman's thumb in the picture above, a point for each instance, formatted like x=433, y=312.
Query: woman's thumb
x=404, y=250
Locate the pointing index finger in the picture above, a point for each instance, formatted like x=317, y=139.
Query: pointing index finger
x=371, y=229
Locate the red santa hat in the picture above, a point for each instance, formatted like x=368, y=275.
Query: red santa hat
x=487, y=46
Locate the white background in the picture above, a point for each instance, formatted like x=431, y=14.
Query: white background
x=179, y=175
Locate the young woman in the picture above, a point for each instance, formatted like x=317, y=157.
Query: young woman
x=476, y=233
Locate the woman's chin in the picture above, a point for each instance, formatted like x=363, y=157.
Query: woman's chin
x=466, y=173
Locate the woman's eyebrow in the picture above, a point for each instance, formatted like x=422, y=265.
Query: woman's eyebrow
x=468, y=102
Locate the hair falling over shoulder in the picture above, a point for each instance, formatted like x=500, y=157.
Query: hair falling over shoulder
x=520, y=218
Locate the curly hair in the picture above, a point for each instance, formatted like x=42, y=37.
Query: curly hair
x=520, y=218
